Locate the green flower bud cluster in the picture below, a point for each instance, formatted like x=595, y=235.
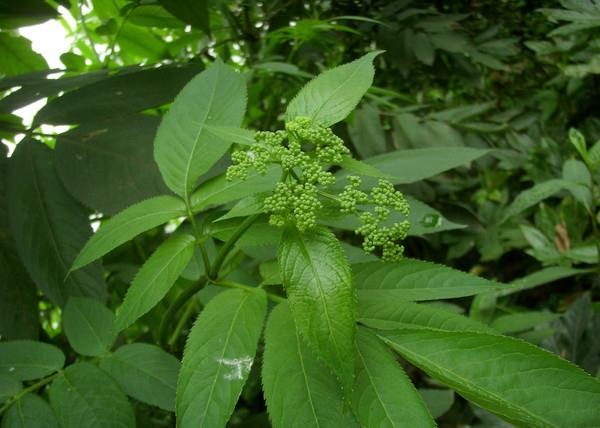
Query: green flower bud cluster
x=304, y=150
x=296, y=199
x=375, y=234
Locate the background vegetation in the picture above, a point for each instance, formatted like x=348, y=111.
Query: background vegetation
x=506, y=91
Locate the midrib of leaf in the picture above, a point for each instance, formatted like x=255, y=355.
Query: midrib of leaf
x=202, y=125
x=228, y=338
x=478, y=390
x=334, y=92
x=305, y=377
x=321, y=293
x=364, y=363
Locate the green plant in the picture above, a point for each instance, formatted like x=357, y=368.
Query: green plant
x=326, y=357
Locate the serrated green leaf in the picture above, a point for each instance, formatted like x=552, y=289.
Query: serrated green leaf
x=332, y=95
x=184, y=149
x=412, y=279
x=517, y=381
x=383, y=395
x=48, y=226
x=318, y=282
x=27, y=360
x=31, y=411
x=88, y=326
x=155, y=278
x=127, y=225
x=145, y=372
x=392, y=314
x=217, y=358
x=245, y=207
x=219, y=190
x=108, y=165
x=86, y=396
x=409, y=166
x=301, y=392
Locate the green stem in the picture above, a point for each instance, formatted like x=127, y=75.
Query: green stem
x=86, y=32
x=226, y=248
x=111, y=48
x=187, y=313
x=180, y=300
x=29, y=389
x=197, y=235
x=233, y=284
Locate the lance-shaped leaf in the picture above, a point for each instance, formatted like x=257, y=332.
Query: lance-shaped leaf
x=383, y=395
x=318, y=283
x=393, y=313
x=517, y=381
x=27, y=360
x=49, y=226
x=333, y=94
x=89, y=326
x=127, y=225
x=301, y=392
x=145, y=372
x=218, y=357
x=219, y=190
x=184, y=147
x=86, y=396
x=412, y=279
x=155, y=278
x=31, y=411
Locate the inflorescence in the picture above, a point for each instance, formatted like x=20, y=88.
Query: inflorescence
x=297, y=198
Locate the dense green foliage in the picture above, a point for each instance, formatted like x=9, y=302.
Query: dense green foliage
x=301, y=214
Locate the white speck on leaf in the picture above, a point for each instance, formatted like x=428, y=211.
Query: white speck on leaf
x=11, y=369
x=238, y=367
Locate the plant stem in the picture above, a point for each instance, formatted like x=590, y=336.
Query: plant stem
x=86, y=32
x=180, y=300
x=29, y=389
x=197, y=235
x=213, y=273
x=187, y=313
x=233, y=284
x=111, y=48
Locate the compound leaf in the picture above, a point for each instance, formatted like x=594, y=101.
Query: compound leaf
x=127, y=225
x=184, y=148
x=517, y=381
x=332, y=95
x=155, y=278
x=318, y=283
x=145, y=372
x=217, y=358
